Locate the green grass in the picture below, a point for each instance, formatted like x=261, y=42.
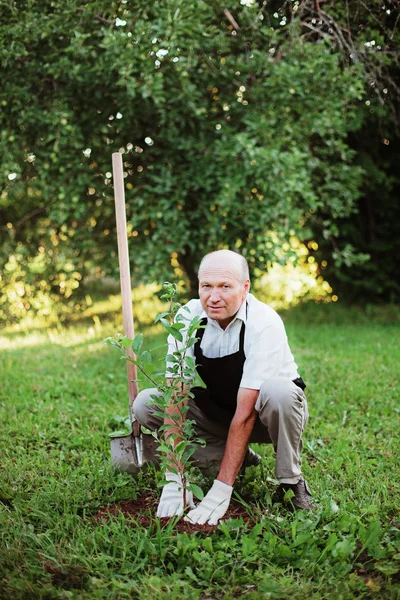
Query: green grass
x=61, y=394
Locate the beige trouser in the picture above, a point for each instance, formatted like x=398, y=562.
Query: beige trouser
x=282, y=416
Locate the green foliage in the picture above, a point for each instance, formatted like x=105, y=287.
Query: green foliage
x=367, y=34
x=227, y=134
x=374, y=230
x=176, y=444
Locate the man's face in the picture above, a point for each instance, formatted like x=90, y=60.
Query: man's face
x=221, y=289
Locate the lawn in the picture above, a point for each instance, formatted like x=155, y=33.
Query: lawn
x=62, y=392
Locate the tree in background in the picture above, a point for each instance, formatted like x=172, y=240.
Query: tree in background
x=234, y=124
x=366, y=33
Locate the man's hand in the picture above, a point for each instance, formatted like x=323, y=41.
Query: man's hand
x=171, y=501
x=213, y=507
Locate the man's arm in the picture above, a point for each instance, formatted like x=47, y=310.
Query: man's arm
x=216, y=502
x=238, y=436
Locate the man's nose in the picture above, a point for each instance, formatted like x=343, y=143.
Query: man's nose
x=214, y=295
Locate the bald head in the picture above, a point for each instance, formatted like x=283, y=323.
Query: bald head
x=232, y=261
x=223, y=285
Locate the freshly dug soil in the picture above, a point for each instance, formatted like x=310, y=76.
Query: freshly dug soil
x=142, y=512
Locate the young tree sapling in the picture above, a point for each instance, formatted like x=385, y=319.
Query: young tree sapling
x=176, y=440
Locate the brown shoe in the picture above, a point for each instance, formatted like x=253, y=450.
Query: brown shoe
x=252, y=459
x=302, y=498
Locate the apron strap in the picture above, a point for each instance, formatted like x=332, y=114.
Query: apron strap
x=200, y=333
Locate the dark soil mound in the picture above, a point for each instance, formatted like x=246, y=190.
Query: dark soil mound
x=142, y=512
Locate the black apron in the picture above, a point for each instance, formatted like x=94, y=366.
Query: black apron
x=222, y=377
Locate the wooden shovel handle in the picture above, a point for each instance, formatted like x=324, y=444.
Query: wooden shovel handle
x=124, y=270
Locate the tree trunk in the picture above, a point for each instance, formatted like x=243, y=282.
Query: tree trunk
x=188, y=263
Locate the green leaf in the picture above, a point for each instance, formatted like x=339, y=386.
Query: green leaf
x=373, y=533
x=160, y=316
x=282, y=550
x=201, y=442
x=160, y=413
x=344, y=549
x=126, y=342
x=302, y=538
x=137, y=343
x=194, y=326
x=148, y=369
x=174, y=332
x=190, y=362
x=119, y=433
x=388, y=569
x=188, y=570
x=188, y=453
x=180, y=447
x=154, y=398
x=188, y=374
x=196, y=490
x=146, y=358
x=112, y=343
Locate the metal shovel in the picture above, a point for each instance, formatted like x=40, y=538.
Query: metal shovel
x=127, y=451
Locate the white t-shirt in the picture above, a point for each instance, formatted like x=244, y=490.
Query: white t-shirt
x=265, y=342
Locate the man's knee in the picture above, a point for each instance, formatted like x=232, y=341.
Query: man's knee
x=279, y=395
x=142, y=406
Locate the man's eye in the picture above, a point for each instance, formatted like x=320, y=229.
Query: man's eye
x=227, y=287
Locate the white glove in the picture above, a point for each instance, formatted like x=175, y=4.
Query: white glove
x=213, y=506
x=171, y=501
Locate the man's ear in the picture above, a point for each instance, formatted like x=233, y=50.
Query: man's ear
x=247, y=285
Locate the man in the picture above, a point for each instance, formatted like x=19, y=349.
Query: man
x=254, y=392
